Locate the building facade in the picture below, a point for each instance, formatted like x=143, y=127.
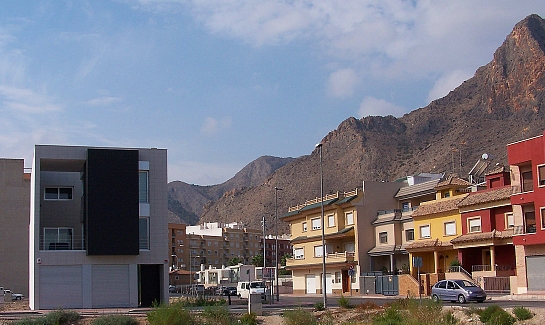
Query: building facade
x=527, y=163
x=98, y=227
x=14, y=218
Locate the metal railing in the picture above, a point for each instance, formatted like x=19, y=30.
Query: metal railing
x=459, y=269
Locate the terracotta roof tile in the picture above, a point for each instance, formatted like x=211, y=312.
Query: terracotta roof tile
x=480, y=197
x=476, y=237
x=496, y=170
x=427, y=243
x=453, y=180
x=438, y=206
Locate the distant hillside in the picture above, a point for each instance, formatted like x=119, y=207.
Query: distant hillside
x=186, y=202
x=502, y=103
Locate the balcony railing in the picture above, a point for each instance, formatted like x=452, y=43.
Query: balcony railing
x=77, y=243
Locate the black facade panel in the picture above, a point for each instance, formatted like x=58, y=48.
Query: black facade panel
x=111, y=202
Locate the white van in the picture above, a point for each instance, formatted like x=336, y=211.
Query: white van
x=244, y=289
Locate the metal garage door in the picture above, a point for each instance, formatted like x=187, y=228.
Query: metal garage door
x=534, y=273
x=111, y=286
x=60, y=287
x=310, y=283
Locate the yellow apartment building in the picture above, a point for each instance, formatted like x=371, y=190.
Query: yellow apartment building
x=436, y=223
x=349, y=235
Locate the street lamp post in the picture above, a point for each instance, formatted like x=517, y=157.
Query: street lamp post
x=324, y=282
x=276, y=189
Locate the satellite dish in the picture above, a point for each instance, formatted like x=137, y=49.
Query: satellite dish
x=484, y=156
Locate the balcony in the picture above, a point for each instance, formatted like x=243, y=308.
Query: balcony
x=331, y=258
x=491, y=271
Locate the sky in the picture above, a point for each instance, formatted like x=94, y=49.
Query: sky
x=220, y=83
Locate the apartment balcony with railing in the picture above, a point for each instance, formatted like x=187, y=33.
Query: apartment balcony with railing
x=331, y=258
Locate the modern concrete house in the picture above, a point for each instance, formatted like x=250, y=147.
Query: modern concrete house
x=14, y=217
x=98, y=227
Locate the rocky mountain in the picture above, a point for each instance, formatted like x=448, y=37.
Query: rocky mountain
x=186, y=202
x=502, y=103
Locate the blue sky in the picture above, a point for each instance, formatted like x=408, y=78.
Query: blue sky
x=220, y=83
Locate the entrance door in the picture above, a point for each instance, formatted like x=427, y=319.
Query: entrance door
x=345, y=281
x=328, y=286
x=150, y=284
x=534, y=272
x=310, y=283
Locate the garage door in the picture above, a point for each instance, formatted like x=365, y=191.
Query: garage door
x=310, y=283
x=111, y=286
x=60, y=287
x=534, y=273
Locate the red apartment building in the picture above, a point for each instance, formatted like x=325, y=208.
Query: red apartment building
x=527, y=163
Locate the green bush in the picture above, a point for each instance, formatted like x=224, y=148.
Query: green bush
x=215, y=315
x=449, y=319
x=299, y=316
x=501, y=318
x=522, y=313
x=114, y=320
x=344, y=302
x=488, y=311
x=57, y=317
x=174, y=314
x=391, y=316
x=248, y=319
x=319, y=306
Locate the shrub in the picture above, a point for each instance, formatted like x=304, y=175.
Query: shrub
x=488, y=311
x=114, y=320
x=344, y=302
x=501, y=318
x=391, y=316
x=449, y=319
x=299, y=316
x=57, y=317
x=174, y=314
x=319, y=306
x=522, y=313
x=248, y=319
x=214, y=315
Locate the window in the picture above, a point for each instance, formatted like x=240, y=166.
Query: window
x=450, y=228
x=405, y=206
x=143, y=186
x=527, y=181
x=143, y=233
x=530, y=222
x=298, y=253
x=57, y=239
x=425, y=231
x=474, y=225
x=349, y=218
x=58, y=193
x=445, y=194
x=350, y=247
x=304, y=226
x=542, y=218
x=541, y=175
x=509, y=220
x=316, y=224
x=409, y=234
x=337, y=277
x=383, y=237
x=331, y=220
x=318, y=251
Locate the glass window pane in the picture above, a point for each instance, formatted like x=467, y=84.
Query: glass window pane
x=331, y=220
x=143, y=186
x=349, y=218
x=318, y=251
x=144, y=233
x=65, y=193
x=425, y=232
x=51, y=193
x=450, y=228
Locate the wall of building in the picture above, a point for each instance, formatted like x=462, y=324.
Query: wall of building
x=14, y=219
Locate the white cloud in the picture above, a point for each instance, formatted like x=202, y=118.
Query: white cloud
x=212, y=126
x=27, y=101
x=342, y=82
x=371, y=106
x=103, y=101
x=447, y=83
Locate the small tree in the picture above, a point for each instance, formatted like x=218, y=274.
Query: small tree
x=284, y=258
x=235, y=261
x=257, y=260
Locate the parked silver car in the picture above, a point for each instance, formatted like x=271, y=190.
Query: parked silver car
x=457, y=290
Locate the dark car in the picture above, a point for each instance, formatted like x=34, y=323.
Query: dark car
x=229, y=291
x=457, y=290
